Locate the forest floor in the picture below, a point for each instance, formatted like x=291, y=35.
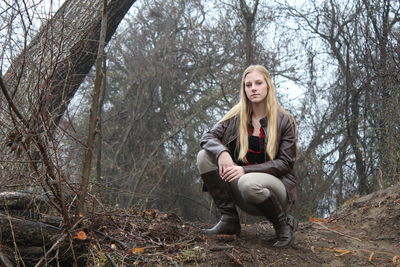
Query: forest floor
x=363, y=232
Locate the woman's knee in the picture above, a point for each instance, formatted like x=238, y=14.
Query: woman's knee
x=204, y=162
x=252, y=191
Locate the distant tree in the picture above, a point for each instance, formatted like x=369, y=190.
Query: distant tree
x=354, y=41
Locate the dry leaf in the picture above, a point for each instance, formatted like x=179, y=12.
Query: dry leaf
x=137, y=250
x=81, y=235
x=396, y=260
x=322, y=220
x=151, y=213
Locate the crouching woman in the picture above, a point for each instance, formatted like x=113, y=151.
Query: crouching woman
x=247, y=159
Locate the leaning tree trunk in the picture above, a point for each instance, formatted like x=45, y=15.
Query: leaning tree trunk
x=42, y=80
x=35, y=92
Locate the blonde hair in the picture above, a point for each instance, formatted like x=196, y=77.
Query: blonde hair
x=244, y=110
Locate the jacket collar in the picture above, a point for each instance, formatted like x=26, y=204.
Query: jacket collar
x=234, y=124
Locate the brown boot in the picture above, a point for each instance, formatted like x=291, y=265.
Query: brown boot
x=220, y=191
x=284, y=225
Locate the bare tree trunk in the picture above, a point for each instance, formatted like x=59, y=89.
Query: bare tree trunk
x=249, y=23
x=45, y=76
x=100, y=134
x=93, y=119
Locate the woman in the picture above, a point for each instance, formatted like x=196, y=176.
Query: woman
x=247, y=159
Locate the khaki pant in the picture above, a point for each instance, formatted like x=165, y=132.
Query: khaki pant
x=251, y=188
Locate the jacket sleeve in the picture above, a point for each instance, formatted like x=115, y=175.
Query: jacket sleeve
x=286, y=154
x=212, y=140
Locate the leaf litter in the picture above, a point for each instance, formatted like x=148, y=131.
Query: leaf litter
x=361, y=233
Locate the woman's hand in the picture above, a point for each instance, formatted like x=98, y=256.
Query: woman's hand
x=232, y=173
x=227, y=168
x=224, y=161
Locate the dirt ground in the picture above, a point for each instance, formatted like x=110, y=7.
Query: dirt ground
x=364, y=232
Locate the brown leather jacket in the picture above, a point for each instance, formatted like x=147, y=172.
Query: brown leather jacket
x=222, y=137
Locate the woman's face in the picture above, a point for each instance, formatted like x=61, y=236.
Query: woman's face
x=255, y=87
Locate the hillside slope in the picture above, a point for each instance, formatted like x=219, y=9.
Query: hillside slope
x=365, y=231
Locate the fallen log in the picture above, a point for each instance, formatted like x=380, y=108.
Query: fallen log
x=24, y=231
x=23, y=201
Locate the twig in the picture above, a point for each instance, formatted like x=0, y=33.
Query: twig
x=14, y=239
x=21, y=161
x=98, y=201
x=59, y=240
x=339, y=217
x=55, y=245
x=11, y=103
x=111, y=260
x=122, y=244
x=75, y=263
x=352, y=237
x=354, y=253
x=17, y=185
x=235, y=259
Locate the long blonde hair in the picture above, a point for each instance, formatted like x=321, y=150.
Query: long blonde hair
x=244, y=110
